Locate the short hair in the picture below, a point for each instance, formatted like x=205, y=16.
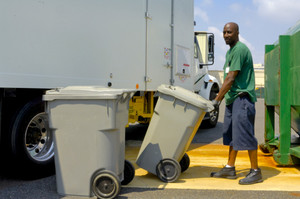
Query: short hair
x=236, y=25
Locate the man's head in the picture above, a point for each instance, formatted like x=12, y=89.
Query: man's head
x=231, y=34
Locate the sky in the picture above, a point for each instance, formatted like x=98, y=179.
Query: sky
x=260, y=23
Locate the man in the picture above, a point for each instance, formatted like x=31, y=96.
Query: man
x=239, y=92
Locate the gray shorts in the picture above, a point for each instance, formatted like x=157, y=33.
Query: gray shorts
x=239, y=125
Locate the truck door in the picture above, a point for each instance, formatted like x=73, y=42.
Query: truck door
x=169, y=43
x=203, y=56
x=158, y=43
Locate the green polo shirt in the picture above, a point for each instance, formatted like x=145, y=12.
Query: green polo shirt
x=239, y=58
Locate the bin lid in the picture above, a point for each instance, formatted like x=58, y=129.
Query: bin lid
x=186, y=96
x=86, y=92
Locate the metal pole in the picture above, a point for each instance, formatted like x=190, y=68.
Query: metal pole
x=172, y=44
x=146, y=46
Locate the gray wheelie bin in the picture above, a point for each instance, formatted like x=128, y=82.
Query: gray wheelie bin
x=88, y=125
x=176, y=119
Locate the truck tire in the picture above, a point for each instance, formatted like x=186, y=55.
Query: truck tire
x=31, y=139
x=213, y=116
x=212, y=121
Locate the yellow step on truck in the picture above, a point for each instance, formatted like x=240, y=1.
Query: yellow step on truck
x=136, y=44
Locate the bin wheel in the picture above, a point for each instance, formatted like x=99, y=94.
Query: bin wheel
x=168, y=170
x=129, y=173
x=106, y=184
x=184, y=162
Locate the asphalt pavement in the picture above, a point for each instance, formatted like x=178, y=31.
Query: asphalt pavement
x=45, y=188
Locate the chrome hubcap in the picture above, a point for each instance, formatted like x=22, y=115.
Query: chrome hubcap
x=39, y=139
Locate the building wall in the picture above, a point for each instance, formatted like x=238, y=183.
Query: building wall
x=259, y=77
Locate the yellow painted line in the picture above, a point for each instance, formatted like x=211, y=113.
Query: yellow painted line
x=206, y=158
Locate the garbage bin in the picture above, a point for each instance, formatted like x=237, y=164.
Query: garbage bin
x=176, y=119
x=88, y=125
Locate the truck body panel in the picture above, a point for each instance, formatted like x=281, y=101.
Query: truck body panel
x=48, y=44
x=132, y=44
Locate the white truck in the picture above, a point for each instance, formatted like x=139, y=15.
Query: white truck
x=133, y=44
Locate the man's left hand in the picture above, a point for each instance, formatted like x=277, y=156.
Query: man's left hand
x=216, y=103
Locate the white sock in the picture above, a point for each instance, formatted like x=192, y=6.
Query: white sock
x=227, y=166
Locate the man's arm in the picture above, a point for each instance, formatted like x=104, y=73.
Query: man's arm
x=226, y=85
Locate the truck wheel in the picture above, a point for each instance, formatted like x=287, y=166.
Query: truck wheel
x=31, y=138
x=168, y=170
x=212, y=121
x=129, y=173
x=105, y=184
x=213, y=116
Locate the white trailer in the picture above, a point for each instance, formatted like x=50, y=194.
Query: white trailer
x=45, y=44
